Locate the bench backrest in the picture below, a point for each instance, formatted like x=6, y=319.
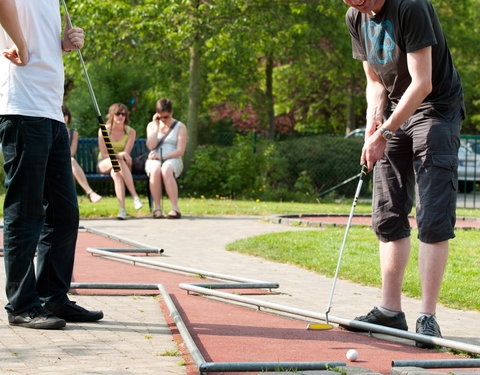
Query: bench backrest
x=87, y=152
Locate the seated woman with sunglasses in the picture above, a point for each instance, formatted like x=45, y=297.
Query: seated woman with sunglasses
x=122, y=138
x=77, y=170
x=167, y=139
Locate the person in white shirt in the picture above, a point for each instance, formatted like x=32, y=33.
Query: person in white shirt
x=40, y=208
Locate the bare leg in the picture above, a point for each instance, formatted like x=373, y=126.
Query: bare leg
x=432, y=259
x=119, y=188
x=155, y=181
x=393, y=260
x=83, y=182
x=171, y=186
x=127, y=177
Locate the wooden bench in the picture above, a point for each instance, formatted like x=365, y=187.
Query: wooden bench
x=87, y=157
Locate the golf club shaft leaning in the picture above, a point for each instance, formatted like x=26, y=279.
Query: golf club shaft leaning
x=363, y=173
x=101, y=123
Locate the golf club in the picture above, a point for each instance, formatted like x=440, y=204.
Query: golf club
x=101, y=123
x=339, y=185
x=327, y=325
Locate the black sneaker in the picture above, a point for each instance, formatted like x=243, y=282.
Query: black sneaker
x=71, y=312
x=37, y=318
x=377, y=317
x=427, y=325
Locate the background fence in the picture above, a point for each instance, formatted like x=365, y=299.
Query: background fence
x=302, y=168
x=305, y=168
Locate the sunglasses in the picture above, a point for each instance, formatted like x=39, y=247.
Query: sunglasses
x=120, y=114
x=163, y=117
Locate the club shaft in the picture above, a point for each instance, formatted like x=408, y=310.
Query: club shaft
x=111, y=152
x=89, y=84
x=363, y=173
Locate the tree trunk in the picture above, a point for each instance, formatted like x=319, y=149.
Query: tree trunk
x=269, y=101
x=193, y=101
x=351, y=119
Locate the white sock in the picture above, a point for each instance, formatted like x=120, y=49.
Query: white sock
x=388, y=312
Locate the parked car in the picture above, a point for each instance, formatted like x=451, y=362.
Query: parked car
x=356, y=133
x=468, y=165
x=468, y=161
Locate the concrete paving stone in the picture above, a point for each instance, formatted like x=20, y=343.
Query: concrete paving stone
x=411, y=371
x=354, y=370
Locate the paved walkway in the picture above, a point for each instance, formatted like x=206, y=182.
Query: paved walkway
x=134, y=337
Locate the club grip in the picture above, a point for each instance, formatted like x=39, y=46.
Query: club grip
x=363, y=172
x=110, y=150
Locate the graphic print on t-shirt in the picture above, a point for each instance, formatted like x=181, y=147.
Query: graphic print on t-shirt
x=380, y=41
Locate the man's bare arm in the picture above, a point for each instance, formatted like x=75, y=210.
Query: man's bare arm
x=18, y=53
x=420, y=69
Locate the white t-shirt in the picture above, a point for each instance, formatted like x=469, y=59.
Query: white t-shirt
x=37, y=88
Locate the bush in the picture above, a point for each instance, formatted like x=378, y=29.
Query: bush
x=292, y=170
x=320, y=161
x=225, y=171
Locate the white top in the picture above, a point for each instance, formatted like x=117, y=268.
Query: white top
x=170, y=143
x=37, y=88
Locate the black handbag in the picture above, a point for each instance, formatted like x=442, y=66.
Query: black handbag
x=138, y=162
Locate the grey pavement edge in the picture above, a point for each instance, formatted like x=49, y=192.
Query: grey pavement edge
x=133, y=338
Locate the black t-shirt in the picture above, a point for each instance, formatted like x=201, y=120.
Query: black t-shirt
x=404, y=26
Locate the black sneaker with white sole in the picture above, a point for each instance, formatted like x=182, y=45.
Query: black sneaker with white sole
x=375, y=316
x=72, y=312
x=427, y=325
x=37, y=318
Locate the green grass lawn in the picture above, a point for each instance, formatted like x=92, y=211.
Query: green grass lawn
x=318, y=250
x=108, y=207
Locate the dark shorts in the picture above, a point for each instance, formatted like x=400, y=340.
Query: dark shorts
x=419, y=164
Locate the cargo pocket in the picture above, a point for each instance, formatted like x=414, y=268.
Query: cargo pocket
x=448, y=163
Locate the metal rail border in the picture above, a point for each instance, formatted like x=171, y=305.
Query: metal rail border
x=438, y=363
x=239, y=282
x=204, y=366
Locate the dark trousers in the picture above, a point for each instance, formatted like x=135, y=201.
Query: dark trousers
x=40, y=211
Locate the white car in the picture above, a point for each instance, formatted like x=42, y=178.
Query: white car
x=468, y=165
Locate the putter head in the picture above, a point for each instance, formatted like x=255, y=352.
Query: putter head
x=319, y=326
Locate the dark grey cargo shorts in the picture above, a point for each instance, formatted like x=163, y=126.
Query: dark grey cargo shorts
x=419, y=166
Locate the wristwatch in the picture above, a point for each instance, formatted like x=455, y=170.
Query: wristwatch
x=386, y=134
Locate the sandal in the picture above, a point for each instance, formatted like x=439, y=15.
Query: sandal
x=94, y=197
x=157, y=214
x=174, y=215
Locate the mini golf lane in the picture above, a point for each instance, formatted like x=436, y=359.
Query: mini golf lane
x=225, y=332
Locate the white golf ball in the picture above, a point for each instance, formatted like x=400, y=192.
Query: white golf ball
x=352, y=355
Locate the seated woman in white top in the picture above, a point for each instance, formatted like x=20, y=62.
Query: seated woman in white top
x=165, y=159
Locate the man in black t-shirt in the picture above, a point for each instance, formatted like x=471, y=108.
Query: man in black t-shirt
x=414, y=114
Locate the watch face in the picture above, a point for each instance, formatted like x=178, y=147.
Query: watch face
x=387, y=134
